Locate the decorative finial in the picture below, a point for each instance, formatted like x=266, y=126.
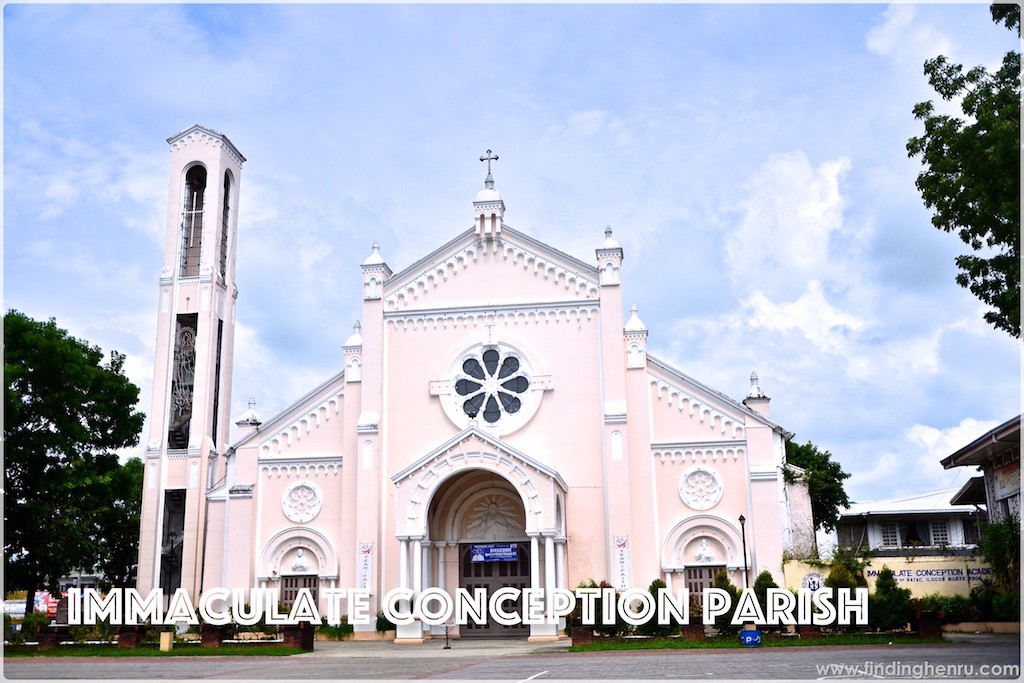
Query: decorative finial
x=608, y=231
x=755, y=389
x=632, y=309
x=252, y=402
x=357, y=327
x=376, y=247
x=489, y=157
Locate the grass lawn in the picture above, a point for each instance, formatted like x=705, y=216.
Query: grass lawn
x=179, y=650
x=734, y=642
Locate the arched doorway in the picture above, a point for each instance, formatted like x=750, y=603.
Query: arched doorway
x=481, y=516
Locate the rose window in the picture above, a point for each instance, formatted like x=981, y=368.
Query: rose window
x=700, y=488
x=491, y=384
x=301, y=502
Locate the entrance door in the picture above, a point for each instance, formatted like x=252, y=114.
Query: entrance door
x=699, y=578
x=290, y=586
x=491, y=576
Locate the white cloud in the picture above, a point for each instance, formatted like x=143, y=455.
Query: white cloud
x=903, y=39
x=824, y=325
x=792, y=212
x=920, y=451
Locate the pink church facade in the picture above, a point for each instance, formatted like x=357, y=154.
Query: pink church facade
x=497, y=420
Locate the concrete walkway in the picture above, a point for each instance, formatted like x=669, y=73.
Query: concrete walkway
x=460, y=647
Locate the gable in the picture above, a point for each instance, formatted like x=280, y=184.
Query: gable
x=468, y=271
x=685, y=410
x=310, y=425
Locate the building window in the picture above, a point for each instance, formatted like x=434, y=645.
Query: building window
x=192, y=221
x=853, y=535
x=172, y=540
x=492, y=384
x=224, y=226
x=890, y=535
x=940, y=533
x=182, y=381
x=972, y=532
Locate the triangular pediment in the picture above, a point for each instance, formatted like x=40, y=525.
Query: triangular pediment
x=303, y=418
x=473, y=438
x=469, y=271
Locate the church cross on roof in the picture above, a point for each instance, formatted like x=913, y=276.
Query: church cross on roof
x=489, y=157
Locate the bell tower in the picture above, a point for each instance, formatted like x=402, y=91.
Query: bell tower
x=189, y=416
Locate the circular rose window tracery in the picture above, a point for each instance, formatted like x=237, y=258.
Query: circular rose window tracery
x=493, y=384
x=301, y=501
x=700, y=488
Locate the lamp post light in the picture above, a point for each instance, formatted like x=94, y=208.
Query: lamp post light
x=743, y=533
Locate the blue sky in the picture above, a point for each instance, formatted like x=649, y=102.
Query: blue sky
x=751, y=159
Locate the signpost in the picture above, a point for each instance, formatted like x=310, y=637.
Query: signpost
x=449, y=622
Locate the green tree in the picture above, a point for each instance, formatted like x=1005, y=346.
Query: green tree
x=889, y=606
x=65, y=413
x=762, y=583
x=971, y=178
x=824, y=482
x=723, y=622
x=1000, y=547
x=116, y=529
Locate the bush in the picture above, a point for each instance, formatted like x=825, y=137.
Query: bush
x=890, y=606
x=840, y=576
x=723, y=622
x=1006, y=608
x=652, y=627
x=762, y=583
x=383, y=623
x=954, y=608
x=33, y=624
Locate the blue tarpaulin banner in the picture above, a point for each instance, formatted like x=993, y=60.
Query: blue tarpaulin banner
x=494, y=552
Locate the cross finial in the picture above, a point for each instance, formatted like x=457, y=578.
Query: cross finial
x=489, y=157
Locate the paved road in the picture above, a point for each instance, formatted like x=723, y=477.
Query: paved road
x=519, y=661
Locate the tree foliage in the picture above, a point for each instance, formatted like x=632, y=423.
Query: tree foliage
x=889, y=606
x=824, y=482
x=1000, y=547
x=971, y=178
x=66, y=412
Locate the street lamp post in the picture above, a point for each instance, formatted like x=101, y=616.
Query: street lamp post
x=743, y=533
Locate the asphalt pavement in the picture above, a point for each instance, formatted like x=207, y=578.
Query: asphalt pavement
x=972, y=657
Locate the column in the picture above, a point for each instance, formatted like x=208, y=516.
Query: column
x=442, y=551
x=560, y=579
x=560, y=572
x=417, y=566
x=534, y=562
x=403, y=563
x=549, y=571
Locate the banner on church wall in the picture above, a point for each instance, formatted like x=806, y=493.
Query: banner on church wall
x=494, y=552
x=365, y=565
x=622, y=568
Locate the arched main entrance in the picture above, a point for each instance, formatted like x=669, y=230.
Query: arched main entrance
x=481, y=515
x=474, y=487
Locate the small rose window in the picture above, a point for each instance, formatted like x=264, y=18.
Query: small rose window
x=492, y=384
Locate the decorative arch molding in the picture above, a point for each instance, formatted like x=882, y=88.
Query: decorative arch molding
x=286, y=540
x=302, y=424
x=402, y=293
x=691, y=530
x=710, y=416
x=536, y=483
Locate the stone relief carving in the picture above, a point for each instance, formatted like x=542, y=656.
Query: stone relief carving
x=704, y=553
x=300, y=564
x=494, y=518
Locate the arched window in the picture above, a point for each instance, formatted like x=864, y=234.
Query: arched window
x=224, y=225
x=192, y=221
x=610, y=274
x=634, y=357
x=372, y=289
x=355, y=370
